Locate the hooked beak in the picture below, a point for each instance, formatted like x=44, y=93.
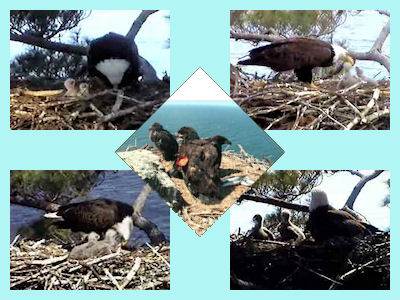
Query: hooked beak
x=350, y=60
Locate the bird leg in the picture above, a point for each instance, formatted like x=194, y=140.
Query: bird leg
x=118, y=101
x=313, y=86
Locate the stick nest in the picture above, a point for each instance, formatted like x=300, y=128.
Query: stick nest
x=50, y=109
x=45, y=266
x=293, y=106
x=335, y=264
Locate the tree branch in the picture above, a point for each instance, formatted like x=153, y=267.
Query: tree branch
x=357, y=189
x=34, y=203
x=137, y=24
x=255, y=37
x=274, y=201
x=47, y=44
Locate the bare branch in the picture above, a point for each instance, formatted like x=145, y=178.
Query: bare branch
x=44, y=43
x=137, y=24
x=255, y=37
x=357, y=189
x=275, y=201
x=34, y=203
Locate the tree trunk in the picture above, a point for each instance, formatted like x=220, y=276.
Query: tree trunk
x=137, y=24
x=357, y=189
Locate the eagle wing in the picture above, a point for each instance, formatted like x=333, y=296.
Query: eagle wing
x=290, y=54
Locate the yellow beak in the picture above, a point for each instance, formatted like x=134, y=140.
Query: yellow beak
x=349, y=60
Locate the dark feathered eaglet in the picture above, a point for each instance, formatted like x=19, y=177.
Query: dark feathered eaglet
x=298, y=54
x=96, y=215
x=199, y=161
x=114, y=59
x=326, y=222
x=164, y=141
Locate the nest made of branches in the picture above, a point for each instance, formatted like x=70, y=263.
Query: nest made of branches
x=50, y=109
x=43, y=265
x=341, y=263
x=294, y=106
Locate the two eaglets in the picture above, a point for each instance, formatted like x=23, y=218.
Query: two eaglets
x=196, y=160
x=324, y=223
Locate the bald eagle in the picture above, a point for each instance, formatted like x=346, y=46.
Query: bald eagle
x=326, y=222
x=298, y=54
x=288, y=230
x=164, y=141
x=259, y=232
x=98, y=216
x=114, y=59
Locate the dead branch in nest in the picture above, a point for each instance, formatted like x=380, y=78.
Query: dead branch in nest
x=51, y=110
x=293, y=106
x=339, y=263
x=40, y=266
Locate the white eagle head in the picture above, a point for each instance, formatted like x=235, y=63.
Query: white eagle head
x=318, y=199
x=342, y=55
x=285, y=216
x=125, y=227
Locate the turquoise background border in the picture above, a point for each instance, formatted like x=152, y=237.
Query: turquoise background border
x=199, y=38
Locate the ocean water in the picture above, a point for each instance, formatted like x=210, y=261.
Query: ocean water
x=359, y=31
x=123, y=186
x=210, y=119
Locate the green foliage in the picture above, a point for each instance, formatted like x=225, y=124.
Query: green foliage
x=53, y=184
x=45, y=23
x=287, y=22
x=289, y=185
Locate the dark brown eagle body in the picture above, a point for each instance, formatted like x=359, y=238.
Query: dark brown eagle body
x=114, y=48
x=201, y=171
x=326, y=222
x=298, y=54
x=164, y=141
x=96, y=215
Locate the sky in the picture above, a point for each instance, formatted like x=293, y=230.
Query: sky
x=338, y=187
x=151, y=39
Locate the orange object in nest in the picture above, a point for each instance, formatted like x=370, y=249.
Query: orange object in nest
x=182, y=161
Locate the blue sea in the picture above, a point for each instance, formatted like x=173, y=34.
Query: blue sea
x=210, y=119
x=123, y=186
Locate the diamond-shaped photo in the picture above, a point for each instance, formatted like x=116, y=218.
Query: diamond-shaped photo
x=87, y=230
x=200, y=151
x=87, y=69
x=312, y=230
x=312, y=69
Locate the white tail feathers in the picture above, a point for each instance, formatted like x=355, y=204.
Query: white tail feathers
x=52, y=215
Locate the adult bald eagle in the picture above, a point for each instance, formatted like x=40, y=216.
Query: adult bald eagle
x=114, y=59
x=298, y=54
x=326, y=222
x=288, y=230
x=164, y=141
x=260, y=232
x=97, y=216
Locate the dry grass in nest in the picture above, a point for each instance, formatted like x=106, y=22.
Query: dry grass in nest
x=45, y=266
x=49, y=109
x=201, y=216
x=293, y=106
x=340, y=263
